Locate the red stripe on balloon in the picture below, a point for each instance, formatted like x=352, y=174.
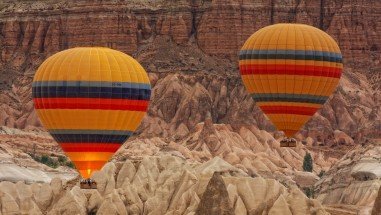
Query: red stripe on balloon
x=90, y=147
x=278, y=69
x=90, y=103
x=309, y=111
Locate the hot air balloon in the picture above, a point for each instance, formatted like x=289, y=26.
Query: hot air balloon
x=290, y=70
x=91, y=100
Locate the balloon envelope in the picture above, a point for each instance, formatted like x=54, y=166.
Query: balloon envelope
x=90, y=100
x=290, y=70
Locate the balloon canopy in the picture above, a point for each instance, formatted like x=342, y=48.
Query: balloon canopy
x=91, y=100
x=290, y=70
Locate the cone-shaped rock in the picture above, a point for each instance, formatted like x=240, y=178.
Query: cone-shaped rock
x=215, y=200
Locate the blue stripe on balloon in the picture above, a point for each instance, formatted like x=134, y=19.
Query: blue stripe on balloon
x=91, y=84
x=89, y=138
x=90, y=131
x=90, y=92
x=284, y=97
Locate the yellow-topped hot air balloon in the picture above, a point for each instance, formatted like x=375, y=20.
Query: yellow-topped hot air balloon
x=290, y=70
x=91, y=100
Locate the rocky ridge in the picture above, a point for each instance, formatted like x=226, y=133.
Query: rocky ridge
x=198, y=40
x=354, y=179
x=157, y=185
x=254, y=151
x=199, y=109
x=16, y=163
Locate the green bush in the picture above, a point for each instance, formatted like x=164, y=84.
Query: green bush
x=307, y=163
x=62, y=159
x=52, y=162
x=70, y=164
x=45, y=159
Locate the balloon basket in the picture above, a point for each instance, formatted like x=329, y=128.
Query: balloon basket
x=288, y=142
x=88, y=184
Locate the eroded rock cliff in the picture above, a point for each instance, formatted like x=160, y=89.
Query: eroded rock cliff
x=199, y=41
x=354, y=179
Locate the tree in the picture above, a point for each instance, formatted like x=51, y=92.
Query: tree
x=307, y=163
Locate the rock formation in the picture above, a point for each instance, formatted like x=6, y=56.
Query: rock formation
x=215, y=199
x=254, y=151
x=200, y=119
x=354, y=179
x=159, y=185
x=16, y=150
x=197, y=40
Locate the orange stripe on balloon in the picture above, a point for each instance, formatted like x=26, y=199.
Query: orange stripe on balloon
x=89, y=164
x=90, y=103
x=89, y=156
x=87, y=167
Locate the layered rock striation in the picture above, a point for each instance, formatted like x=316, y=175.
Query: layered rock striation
x=199, y=40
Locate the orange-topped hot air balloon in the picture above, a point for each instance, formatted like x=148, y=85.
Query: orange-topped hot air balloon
x=290, y=70
x=91, y=100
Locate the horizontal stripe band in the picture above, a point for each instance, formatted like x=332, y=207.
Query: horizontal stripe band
x=90, y=119
x=92, y=165
x=91, y=92
x=90, y=103
x=290, y=54
x=89, y=156
x=290, y=51
x=88, y=131
x=292, y=57
x=289, y=98
x=90, y=147
x=290, y=84
x=107, y=84
x=89, y=138
x=288, y=121
x=290, y=62
x=287, y=117
x=297, y=104
x=289, y=110
x=291, y=70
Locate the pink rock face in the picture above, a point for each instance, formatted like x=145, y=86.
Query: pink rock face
x=200, y=118
x=200, y=40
